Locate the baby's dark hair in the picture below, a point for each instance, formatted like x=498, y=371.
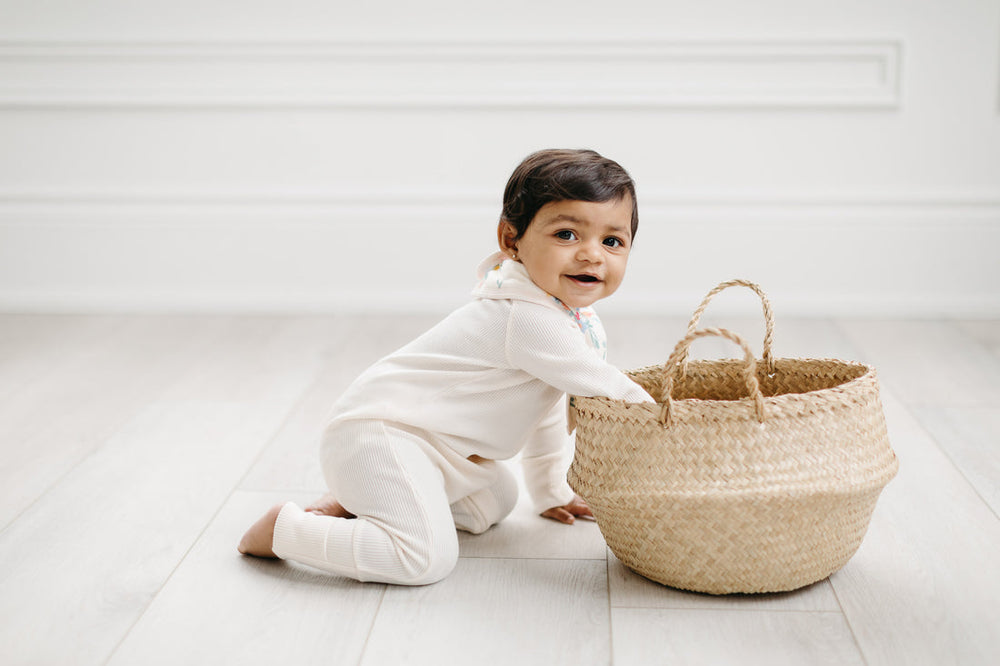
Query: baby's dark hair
x=564, y=175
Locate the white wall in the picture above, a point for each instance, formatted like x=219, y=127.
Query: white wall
x=312, y=155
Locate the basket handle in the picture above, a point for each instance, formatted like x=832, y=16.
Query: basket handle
x=681, y=350
x=768, y=356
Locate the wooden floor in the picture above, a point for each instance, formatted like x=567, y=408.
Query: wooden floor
x=134, y=451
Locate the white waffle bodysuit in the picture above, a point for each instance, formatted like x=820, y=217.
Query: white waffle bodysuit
x=413, y=446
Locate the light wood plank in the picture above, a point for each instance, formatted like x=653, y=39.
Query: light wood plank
x=247, y=359
x=80, y=565
x=159, y=418
x=928, y=362
x=291, y=461
x=970, y=436
x=986, y=332
x=630, y=590
x=525, y=534
x=673, y=637
x=525, y=612
x=50, y=425
x=33, y=346
x=220, y=607
x=924, y=586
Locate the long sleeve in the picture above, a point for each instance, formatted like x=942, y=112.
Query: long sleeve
x=545, y=461
x=486, y=376
x=546, y=344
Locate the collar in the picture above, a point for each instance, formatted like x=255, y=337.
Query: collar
x=502, y=278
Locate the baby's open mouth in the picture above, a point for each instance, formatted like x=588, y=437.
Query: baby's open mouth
x=584, y=278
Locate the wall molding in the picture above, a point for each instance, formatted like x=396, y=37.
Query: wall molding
x=928, y=203
x=803, y=74
x=927, y=254
x=630, y=302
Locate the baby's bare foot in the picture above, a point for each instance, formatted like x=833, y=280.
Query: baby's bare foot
x=327, y=506
x=259, y=538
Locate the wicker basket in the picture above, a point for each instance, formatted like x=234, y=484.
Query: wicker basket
x=744, y=477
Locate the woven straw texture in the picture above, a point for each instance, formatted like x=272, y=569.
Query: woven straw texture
x=745, y=477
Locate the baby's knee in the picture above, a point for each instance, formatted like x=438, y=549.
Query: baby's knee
x=505, y=490
x=432, y=564
x=487, y=507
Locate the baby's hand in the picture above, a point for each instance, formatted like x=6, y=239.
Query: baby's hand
x=568, y=513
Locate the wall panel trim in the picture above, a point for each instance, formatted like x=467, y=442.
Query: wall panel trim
x=804, y=74
x=821, y=255
x=742, y=204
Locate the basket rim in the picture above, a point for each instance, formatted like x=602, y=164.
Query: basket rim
x=785, y=359
x=580, y=403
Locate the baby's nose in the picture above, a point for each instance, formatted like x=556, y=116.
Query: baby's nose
x=590, y=252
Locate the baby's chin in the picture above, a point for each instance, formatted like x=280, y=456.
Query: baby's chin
x=577, y=303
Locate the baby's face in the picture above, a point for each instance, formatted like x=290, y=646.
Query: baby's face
x=578, y=250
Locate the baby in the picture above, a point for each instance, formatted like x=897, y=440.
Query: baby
x=411, y=452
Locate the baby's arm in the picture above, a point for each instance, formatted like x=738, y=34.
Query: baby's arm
x=547, y=344
x=544, y=463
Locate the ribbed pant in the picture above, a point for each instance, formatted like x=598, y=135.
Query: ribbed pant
x=408, y=497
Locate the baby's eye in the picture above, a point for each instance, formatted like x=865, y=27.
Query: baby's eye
x=565, y=234
x=614, y=242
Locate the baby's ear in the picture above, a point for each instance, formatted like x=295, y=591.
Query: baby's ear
x=507, y=236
